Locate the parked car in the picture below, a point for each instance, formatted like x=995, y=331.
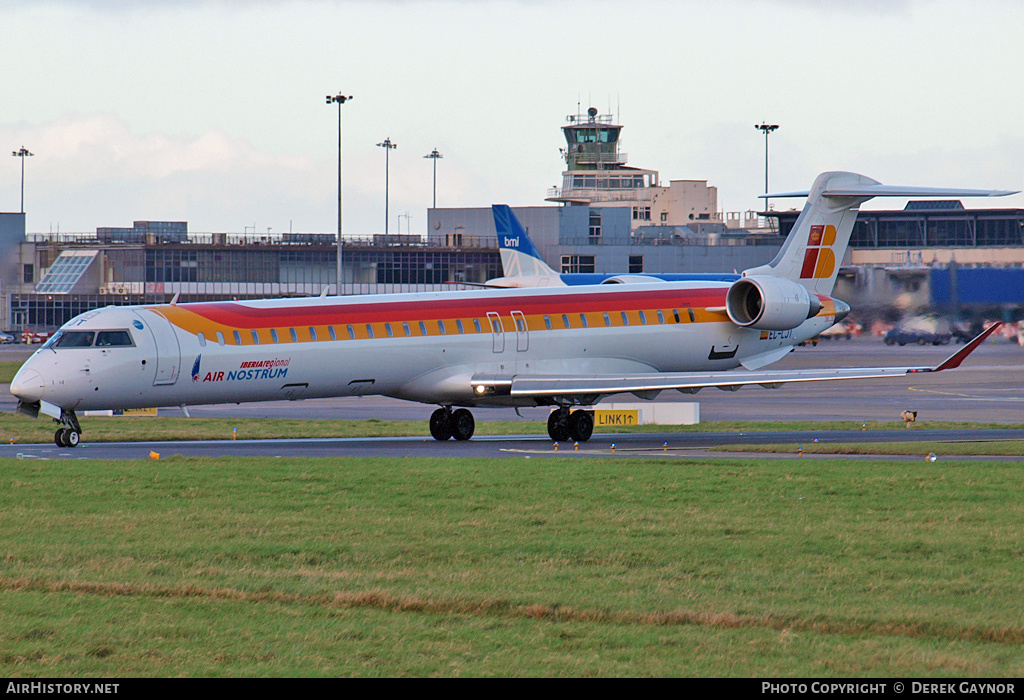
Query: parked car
x=6, y=338
x=922, y=330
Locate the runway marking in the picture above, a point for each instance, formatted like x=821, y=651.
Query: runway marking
x=1012, y=399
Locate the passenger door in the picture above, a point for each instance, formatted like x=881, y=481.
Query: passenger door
x=168, y=352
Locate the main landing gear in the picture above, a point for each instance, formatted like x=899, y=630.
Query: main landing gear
x=563, y=425
x=577, y=425
x=70, y=432
x=446, y=423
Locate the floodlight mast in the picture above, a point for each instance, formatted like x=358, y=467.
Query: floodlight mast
x=767, y=129
x=23, y=153
x=434, y=155
x=339, y=99
x=388, y=146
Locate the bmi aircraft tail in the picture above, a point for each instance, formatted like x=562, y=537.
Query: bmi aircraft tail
x=519, y=257
x=814, y=249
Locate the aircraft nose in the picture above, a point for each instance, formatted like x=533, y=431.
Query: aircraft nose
x=27, y=385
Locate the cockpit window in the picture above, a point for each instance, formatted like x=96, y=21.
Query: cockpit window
x=108, y=339
x=85, y=339
x=73, y=339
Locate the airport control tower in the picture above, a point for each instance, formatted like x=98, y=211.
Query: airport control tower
x=596, y=170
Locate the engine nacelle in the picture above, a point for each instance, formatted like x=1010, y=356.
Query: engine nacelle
x=632, y=279
x=770, y=303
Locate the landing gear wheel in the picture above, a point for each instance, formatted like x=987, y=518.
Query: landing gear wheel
x=558, y=425
x=66, y=437
x=462, y=424
x=70, y=432
x=440, y=424
x=581, y=425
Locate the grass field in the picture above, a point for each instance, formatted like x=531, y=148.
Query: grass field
x=509, y=567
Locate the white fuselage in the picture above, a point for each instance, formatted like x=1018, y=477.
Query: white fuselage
x=422, y=347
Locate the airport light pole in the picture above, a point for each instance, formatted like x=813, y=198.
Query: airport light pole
x=339, y=99
x=23, y=153
x=434, y=155
x=767, y=129
x=388, y=147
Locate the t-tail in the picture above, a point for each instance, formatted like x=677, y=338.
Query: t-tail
x=815, y=248
x=793, y=286
x=519, y=257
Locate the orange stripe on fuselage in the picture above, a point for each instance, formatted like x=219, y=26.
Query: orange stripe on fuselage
x=210, y=317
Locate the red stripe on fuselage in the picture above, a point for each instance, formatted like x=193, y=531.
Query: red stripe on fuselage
x=240, y=315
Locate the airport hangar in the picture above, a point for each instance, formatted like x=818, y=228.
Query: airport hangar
x=607, y=217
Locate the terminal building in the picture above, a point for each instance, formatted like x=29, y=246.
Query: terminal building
x=606, y=216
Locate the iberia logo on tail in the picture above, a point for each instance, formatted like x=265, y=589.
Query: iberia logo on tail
x=819, y=260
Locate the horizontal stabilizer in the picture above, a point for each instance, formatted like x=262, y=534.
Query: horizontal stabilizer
x=893, y=191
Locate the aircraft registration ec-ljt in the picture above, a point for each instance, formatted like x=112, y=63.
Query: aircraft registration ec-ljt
x=565, y=347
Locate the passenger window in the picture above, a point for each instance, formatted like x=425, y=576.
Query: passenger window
x=565, y=320
x=312, y=332
x=520, y=324
x=440, y=327
x=351, y=333
x=547, y=322
x=273, y=334
x=675, y=312
x=387, y=328
x=583, y=321
x=661, y=316
x=405, y=329
x=693, y=317
x=458, y=324
x=202, y=340
x=476, y=324
x=423, y=328
x=109, y=339
x=255, y=338
x=220, y=338
x=332, y=333
x=625, y=319
x=369, y=330
x=643, y=319
x=607, y=320
x=238, y=337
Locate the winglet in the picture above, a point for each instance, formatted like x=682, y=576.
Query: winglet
x=956, y=358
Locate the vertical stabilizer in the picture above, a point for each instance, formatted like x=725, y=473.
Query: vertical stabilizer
x=815, y=247
x=519, y=257
x=817, y=244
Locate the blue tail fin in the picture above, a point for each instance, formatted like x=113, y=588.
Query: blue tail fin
x=519, y=257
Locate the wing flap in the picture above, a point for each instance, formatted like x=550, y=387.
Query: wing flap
x=548, y=386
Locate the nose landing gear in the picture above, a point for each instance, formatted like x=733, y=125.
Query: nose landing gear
x=70, y=434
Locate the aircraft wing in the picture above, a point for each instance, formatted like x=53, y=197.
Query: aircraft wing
x=651, y=383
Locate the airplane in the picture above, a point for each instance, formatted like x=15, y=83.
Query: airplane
x=564, y=347
x=523, y=265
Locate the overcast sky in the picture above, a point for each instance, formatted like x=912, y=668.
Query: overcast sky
x=213, y=111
